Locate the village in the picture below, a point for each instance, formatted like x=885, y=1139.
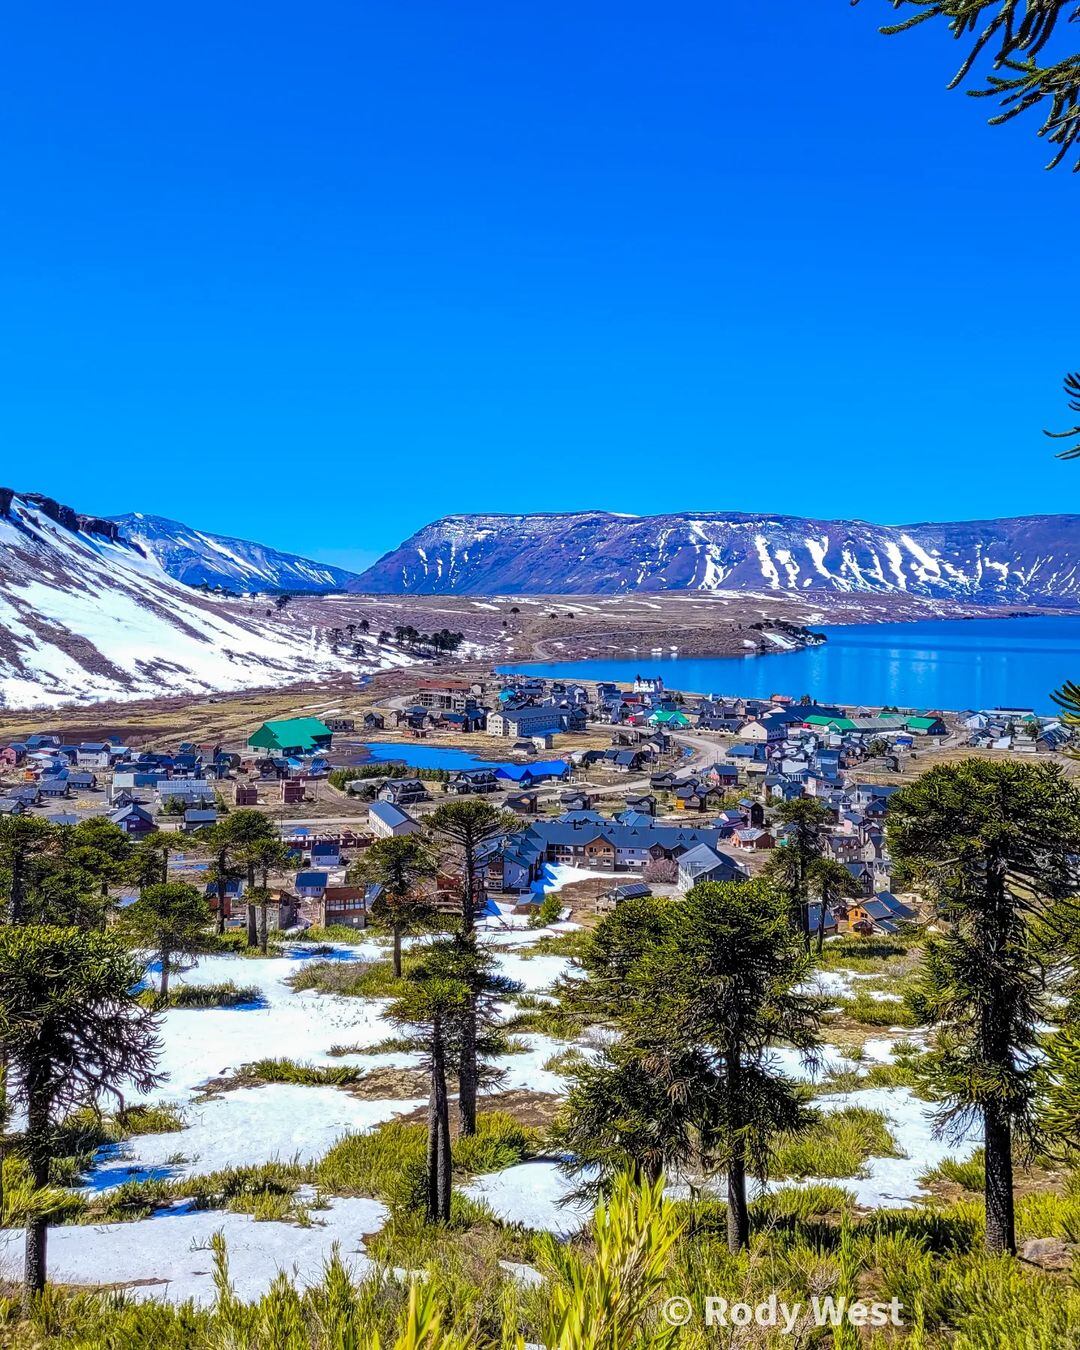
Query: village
x=618, y=791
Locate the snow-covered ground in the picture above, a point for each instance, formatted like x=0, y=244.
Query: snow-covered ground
x=276, y=1122
x=167, y=1252
x=168, y=1255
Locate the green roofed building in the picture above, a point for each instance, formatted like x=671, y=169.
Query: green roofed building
x=669, y=718
x=835, y=723
x=292, y=736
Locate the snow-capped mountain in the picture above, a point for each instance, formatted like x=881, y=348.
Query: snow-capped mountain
x=214, y=560
x=1029, y=558
x=86, y=615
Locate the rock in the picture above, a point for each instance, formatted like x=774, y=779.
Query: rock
x=1049, y=1253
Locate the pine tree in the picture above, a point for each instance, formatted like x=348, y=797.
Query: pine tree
x=171, y=920
x=401, y=866
x=23, y=842
x=462, y=829
x=73, y=1033
x=1026, y=72
x=832, y=883
x=993, y=845
x=710, y=1004
x=790, y=867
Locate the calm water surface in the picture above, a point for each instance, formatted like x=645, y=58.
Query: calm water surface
x=417, y=755
x=940, y=663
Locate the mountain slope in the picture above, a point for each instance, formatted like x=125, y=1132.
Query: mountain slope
x=86, y=616
x=1030, y=558
x=215, y=560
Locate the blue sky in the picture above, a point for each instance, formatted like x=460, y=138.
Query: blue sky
x=319, y=274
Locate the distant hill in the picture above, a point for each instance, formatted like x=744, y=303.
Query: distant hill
x=214, y=560
x=87, y=615
x=1023, y=559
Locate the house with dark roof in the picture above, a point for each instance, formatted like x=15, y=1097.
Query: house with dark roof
x=402, y=791
x=703, y=863
x=134, y=820
x=385, y=821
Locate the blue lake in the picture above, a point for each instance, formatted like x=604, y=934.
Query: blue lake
x=938, y=663
x=417, y=755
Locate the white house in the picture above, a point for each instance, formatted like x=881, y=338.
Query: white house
x=386, y=821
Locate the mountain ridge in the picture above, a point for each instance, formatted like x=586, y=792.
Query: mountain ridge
x=202, y=558
x=87, y=615
x=996, y=560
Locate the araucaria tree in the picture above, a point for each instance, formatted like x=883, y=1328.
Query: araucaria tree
x=243, y=834
x=791, y=866
x=993, y=846
x=171, y=920
x=73, y=1033
x=461, y=830
x=699, y=993
x=400, y=866
x=1025, y=46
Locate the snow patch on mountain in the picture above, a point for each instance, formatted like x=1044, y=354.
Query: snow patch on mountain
x=1030, y=558
x=201, y=559
x=88, y=616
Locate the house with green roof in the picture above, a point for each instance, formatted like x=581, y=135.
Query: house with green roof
x=670, y=718
x=292, y=736
x=833, y=723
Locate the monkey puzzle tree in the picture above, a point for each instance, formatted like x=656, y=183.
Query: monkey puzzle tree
x=789, y=869
x=832, y=883
x=400, y=866
x=73, y=1033
x=461, y=830
x=993, y=845
x=23, y=842
x=170, y=919
x=1026, y=44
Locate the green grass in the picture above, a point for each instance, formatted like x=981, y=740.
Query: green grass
x=224, y=995
x=874, y=1012
x=388, y=1163
x=555, y=944
x=79, y=1136
x=565, y=1061
x=390, y=1046
x=836, y=1145
x=969, y=1174
x=864, y=952
x=352, y=979
x=309, y=1075
x=336, y=933
x=804, y=1242
x=543, y=1017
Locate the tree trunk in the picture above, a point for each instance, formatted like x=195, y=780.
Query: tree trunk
x=821, y=925
x=3, y=1120
x=164, y=989
x=397, y=951
x=222, y=859
x=264, y=925
x=738, y=1215
x=1000, y=1222
x=252, y=917
x=438, y=1178
x=37, y=1225
x=17, y=884
x=467, y=1072
x=996, y=1048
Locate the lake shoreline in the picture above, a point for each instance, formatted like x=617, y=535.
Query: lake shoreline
x=945, y=663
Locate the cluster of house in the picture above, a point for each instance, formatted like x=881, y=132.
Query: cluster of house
x=1017, y=729
x=140, y=783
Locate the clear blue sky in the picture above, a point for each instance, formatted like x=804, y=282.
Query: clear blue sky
x=318, y=274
